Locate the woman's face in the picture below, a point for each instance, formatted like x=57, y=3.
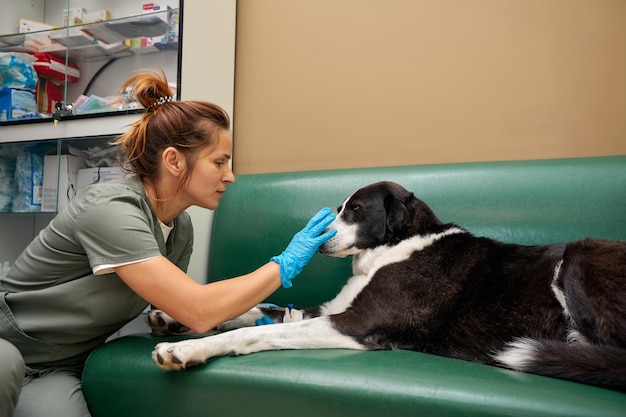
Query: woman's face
x=211, y=173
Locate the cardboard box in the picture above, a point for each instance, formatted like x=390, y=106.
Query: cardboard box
x=88, y=176
x=27, y=26
x=74, y=16
x=60, y=173
x=164, y=12
x=95, y=17
x=37, y=41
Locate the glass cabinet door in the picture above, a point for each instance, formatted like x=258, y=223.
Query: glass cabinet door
x=67, y=58
x=39, y=178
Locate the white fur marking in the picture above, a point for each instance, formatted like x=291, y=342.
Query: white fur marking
x=518, y=354
x=367, y=263
x=371, y=261
x=558, y=293
x=344, y=299
x=575, y=337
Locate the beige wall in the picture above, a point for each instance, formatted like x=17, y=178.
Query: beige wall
x=351, y=83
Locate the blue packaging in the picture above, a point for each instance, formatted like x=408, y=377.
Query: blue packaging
x=17, y=104
x=17, y=71
x=28, y=180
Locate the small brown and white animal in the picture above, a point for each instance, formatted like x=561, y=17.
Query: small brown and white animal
x=557, y=310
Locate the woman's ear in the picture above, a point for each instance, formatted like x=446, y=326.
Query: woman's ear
x=173, y=161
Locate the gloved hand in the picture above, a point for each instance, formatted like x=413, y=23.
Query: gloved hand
x=303, y=246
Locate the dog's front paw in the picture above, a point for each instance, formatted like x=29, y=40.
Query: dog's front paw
x=162, y=324
x=178, y=355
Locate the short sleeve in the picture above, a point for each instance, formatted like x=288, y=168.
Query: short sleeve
x=116, y=229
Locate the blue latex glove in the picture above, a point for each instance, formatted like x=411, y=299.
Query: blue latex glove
x=303, y=246
x=263, y=321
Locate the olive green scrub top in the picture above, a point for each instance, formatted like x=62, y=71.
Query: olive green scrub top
x=53, y=307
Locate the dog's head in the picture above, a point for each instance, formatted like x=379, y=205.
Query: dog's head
x=383, y=213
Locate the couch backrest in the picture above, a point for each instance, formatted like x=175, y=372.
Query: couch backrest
x=526, y=202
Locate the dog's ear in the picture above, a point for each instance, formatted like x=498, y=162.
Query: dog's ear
x=399, y=207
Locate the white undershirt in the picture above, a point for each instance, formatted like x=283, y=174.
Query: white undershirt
x=109, y=268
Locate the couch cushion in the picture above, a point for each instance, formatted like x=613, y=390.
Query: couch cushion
x=121, y=379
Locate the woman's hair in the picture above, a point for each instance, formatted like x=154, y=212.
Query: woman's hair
x=189, y=126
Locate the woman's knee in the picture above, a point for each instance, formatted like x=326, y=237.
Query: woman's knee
x=11, y=374
x=52, y=392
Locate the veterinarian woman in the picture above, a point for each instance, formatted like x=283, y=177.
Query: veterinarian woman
x=122, y=245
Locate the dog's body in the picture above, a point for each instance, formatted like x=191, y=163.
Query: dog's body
x=419, y=284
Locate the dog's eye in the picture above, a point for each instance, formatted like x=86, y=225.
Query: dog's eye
x=355, y=207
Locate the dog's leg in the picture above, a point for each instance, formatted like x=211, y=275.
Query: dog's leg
x=316, y=333
x=162, y=324
x=593, y=284
x=250, y=317
x=275, y=313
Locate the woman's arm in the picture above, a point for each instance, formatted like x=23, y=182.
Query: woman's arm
x=200, y=307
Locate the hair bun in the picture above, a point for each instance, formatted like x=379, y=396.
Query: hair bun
x=149, y=87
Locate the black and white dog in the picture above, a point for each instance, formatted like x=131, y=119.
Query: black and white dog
x=557, y=310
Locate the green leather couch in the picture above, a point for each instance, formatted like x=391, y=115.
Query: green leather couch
x=525, y=201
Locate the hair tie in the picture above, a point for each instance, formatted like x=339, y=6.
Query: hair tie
x=161, y=100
